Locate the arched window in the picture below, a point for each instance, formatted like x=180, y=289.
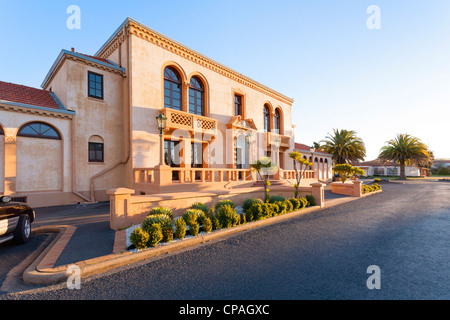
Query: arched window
x=196, y=97
x=1, y=131
x=277, y=121
x=172, y=89
x=39, y=130
x=266, y=118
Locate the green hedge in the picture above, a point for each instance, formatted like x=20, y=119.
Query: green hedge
x=368, y=189
x=227, y=216
x=159, y=224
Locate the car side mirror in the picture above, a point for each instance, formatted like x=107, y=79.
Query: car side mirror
x=5, y=199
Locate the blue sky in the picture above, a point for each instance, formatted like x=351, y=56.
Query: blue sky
x=320, y=52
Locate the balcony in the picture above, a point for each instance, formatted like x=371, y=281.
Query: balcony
x=190, y=122
x=271, y=139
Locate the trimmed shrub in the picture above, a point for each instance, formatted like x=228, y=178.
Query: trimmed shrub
x=200, y=206
x=270, y=210
x=167, y=234
x=161, y=210
x=225, y=203
x=193, y=229
x=365, y=189
x=180, y=228
x=215, y=223
x=227, y=216
x=192, y=216
x=289, y=206
x=311, y=200
x=249, y=214
x=276, y=198
x=255, y=212
x=249, y=202
x=273, y=209
x=155, y=235
x=295, y=203
x=282, y=207
x=163, y=220
x=303, y=203
x=207, y=224
x=139, y=238
x=242, y=218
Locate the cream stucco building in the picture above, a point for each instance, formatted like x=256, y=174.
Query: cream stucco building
x=93, y=125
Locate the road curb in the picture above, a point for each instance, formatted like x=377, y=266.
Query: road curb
x=36, y=275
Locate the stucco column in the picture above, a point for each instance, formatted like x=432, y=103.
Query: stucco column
x=10, y=165
x=119, y=206
x=357, y=191
x=161, y=149
x=318, y=192
x=185, y=96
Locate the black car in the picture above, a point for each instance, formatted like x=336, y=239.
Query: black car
x=15, y=220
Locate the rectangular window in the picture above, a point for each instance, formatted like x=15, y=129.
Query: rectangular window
x=95, y=152
x=392, y=171
x=237, y=105
x=95, y=85
x=377, y=171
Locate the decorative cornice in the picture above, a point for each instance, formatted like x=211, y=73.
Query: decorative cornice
x=113, y=43
x=132, y=27
x=22, y=108
x=74, y=56
x=92, y=63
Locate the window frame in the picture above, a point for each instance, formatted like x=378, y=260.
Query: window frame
x=238, y=106
x=266, y=116
x=196, y=92
x=40, y=134
x=172, y=83
x=89, y=85
x=277, y=121
x=96, y=159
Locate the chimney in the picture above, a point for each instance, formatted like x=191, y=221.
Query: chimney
x=73, y=49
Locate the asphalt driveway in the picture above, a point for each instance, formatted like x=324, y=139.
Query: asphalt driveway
x=93, y=236
x=322, y=255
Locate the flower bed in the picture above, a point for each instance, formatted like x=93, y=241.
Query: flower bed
x=372, y=188
x=160, y=228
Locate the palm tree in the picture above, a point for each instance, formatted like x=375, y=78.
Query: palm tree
x=405, y=149
x=345, y=146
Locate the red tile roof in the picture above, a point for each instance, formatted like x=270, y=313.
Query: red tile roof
x=26, y=95
x=304, y=147
x=373, y=163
